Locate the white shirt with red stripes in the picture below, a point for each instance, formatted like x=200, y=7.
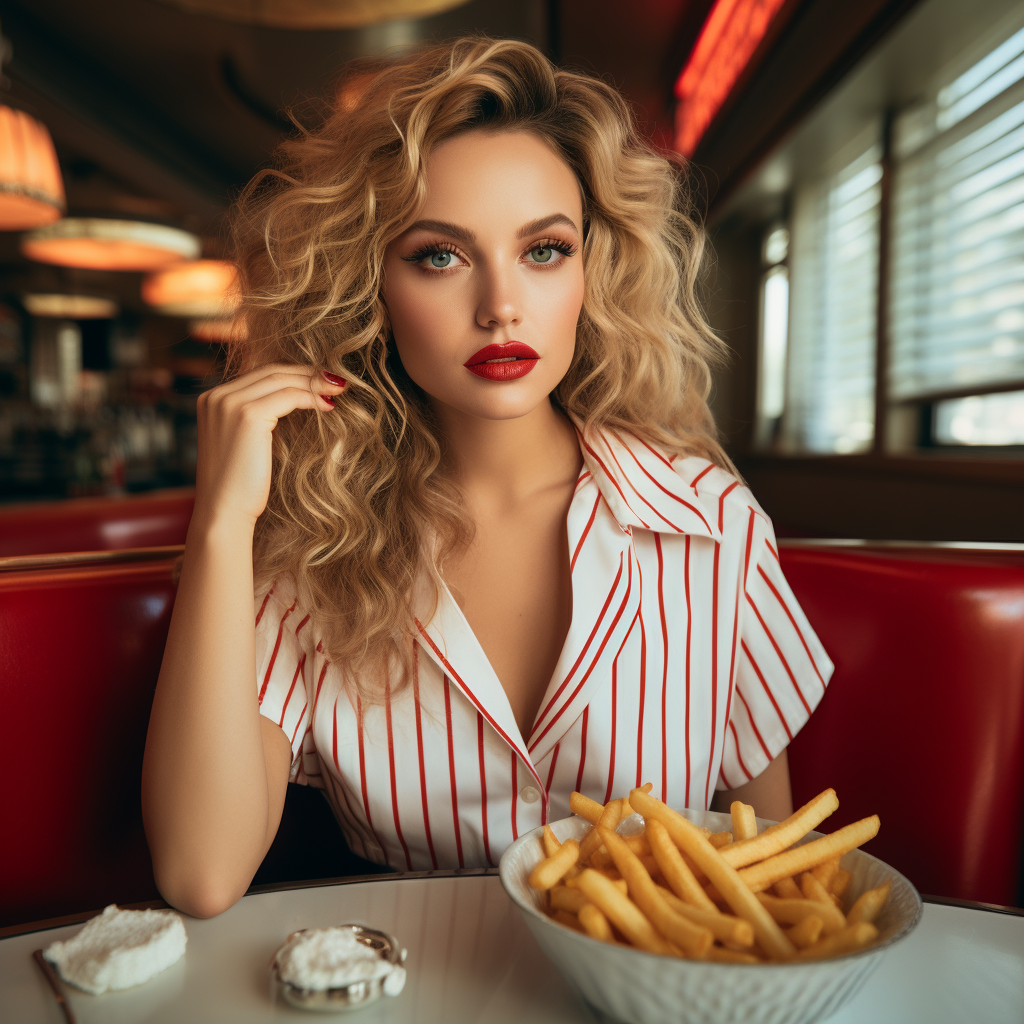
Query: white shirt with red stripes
x=688, y=663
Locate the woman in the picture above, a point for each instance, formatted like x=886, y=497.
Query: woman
x=499, y=554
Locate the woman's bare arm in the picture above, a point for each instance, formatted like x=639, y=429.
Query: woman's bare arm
x=215, y=772
x=769, y=794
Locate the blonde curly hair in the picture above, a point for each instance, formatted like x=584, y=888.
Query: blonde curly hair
x=356, y=493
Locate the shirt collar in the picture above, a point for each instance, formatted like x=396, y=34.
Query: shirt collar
x=642, y=487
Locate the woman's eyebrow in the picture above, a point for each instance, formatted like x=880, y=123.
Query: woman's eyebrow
x=545, y=222
x=445, y=227
x=442, y=227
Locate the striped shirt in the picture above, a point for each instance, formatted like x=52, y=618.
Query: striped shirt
x=688, y=664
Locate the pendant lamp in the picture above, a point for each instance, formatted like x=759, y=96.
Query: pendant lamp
x=202, y=289
x=71, y=307
x=100, y=244
x=314, y=14
x=31, y=189
x=223, y=331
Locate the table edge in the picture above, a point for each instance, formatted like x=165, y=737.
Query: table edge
x=992, y=908
x=12, y=930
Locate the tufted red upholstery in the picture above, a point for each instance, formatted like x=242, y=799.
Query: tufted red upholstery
x=96, y=524
x=80, y=648
x=923, y=721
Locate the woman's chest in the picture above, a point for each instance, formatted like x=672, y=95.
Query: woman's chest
x=514, y=587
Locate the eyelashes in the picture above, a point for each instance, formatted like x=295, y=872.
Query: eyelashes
x=438, y=248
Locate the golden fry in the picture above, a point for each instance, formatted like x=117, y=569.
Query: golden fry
x=868, y=904
x=720, y=839
x=787, y=889
x=807, y=932
x=849, y=940
x=675, y=869
x=813, y=889
x=777, y=838
x=794, y=911
x=724, y=927
x=610, y=818
x=551, y=843
x=840, y=883
x=722, y=875
x=638, y=844
x=646, y=787
x=744, y=822
x=623, y=913
x=561, y=897
x=802, y=858
x=548, y=872
x=731, y=956
x=595, y=924
x=691, y=938
x=569, y=920
x=585, y=807
x=826, y=871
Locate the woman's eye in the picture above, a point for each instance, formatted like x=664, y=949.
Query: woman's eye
x=542, y=254
x=441, y=259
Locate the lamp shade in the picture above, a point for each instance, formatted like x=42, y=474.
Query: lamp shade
x=200, y=288
x=31, y=189
x=71, y=307
x=101, y=244
x=314, y=14
x=225, y=331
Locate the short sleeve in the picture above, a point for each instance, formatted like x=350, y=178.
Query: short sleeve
x=282, y=632
x=781, y=667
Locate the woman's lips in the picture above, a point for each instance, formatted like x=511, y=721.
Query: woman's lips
x=502, y=362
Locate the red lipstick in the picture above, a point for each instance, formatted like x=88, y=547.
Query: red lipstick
x=502, y=362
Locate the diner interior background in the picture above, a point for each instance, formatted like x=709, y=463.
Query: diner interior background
x=860, y=168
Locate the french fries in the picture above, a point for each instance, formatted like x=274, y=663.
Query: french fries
x=663, y=891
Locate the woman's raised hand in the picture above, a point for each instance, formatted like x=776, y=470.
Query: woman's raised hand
x=236, y=422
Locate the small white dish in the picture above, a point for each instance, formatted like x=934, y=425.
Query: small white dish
x=354, y=995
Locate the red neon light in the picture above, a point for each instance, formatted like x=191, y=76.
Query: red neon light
x=731, y=34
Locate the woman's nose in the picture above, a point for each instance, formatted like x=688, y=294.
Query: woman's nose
x=500, y=302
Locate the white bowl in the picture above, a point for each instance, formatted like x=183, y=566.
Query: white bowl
x=642, y=988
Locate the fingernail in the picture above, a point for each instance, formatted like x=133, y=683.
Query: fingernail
x=333, y=378
x=328, y=398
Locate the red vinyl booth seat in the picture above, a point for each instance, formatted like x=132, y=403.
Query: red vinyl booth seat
x=923, y=721
x=80, y=649
x=96, y=524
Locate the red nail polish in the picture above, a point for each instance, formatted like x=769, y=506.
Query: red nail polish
x=333, y=378
x=328, y=398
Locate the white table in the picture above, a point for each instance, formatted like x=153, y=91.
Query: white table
x=471, y=959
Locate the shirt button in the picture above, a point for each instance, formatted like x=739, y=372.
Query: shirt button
x=529, y=794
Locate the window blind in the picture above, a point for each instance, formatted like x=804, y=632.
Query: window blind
x=833, y=310
x=957, y=295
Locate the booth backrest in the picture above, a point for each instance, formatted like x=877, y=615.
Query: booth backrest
x=923, y=721
x=80, y=649
x=96, y=524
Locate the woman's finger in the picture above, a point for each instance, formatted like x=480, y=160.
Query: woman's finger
x=282, y=374
x=271, y=407
x=262, y=386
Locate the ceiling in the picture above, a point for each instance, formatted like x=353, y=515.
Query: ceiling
x=164, y=114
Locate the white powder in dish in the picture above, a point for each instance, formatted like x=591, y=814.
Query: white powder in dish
x=119, y=949
x=323, y=958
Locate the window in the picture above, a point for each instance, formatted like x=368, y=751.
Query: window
x=834, y=310
x=774, y=320
x=930, y=194
x=957, y=315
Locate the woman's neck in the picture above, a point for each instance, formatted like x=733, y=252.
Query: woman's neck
x=502, y=463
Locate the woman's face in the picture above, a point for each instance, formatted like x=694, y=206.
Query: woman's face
x=484, y=288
